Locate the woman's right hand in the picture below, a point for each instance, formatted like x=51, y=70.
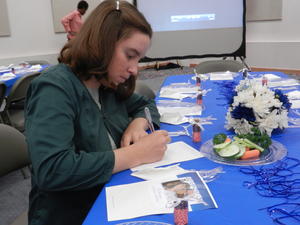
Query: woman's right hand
x=148, y=149
x=152, y=147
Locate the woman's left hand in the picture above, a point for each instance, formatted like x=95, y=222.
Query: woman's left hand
x=134, y=132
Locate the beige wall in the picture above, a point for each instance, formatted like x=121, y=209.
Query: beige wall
x=273, y=44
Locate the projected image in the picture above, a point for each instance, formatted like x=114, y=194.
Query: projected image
x=191, y=14
x=194, y=27
x=192, y=18
x=185, y=22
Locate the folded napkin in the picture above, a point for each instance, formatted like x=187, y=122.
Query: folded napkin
x=180, y=88
x=283, y=83
x=184, y=108
x=295, y=104
x=174, y=118
x=7, y=76
x=174, y=95
x=272, y=76
x=293, y=95
x=221, y=76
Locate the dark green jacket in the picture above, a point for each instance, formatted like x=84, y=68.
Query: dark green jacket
x=67, y=136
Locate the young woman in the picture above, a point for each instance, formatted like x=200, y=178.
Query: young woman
x=83, y=122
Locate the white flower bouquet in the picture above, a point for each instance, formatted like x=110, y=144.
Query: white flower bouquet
x=255, y=105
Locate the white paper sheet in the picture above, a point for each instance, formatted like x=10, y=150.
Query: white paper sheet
x=176, y=152
x=135, y=200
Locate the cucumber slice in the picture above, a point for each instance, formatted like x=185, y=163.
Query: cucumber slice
x=218, y=147
x=241, y=153
x=229, y=151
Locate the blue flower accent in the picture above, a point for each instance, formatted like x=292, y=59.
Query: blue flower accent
x=240, y=112
x=283, y=98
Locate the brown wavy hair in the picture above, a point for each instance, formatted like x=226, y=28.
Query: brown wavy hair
x=91, y=51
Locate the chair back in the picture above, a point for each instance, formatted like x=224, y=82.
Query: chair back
x=143, y=89
x=37, y=62
x=219, y=66
x=19, y=89
x=13, y=151
x=2, y=96
x=2, y=92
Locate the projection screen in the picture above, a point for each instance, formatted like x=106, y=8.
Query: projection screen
x=195, y=28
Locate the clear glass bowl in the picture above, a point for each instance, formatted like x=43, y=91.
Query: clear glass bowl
x=276, y=152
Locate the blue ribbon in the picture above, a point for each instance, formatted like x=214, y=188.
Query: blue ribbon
x=278, y=181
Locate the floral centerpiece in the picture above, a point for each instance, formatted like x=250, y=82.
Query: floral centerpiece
x=255, y=105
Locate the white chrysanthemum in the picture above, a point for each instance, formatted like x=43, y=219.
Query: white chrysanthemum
x=240, y=126
x=261, y=100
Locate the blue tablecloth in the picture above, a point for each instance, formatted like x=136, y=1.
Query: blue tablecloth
x=9, y=83
x=237, y=204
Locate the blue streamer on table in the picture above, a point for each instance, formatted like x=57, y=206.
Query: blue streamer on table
x=282, y=180
x=227, y=89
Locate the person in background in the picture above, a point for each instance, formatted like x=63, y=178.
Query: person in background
x=72, y=22
x=83, y=120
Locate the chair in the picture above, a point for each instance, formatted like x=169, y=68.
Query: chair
x=219, y=66
x=13, y=151
x=2, y=95
x=22, y=219
x=13, y=156
x=13, y=113
x=36, y=62
x=143, y=89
